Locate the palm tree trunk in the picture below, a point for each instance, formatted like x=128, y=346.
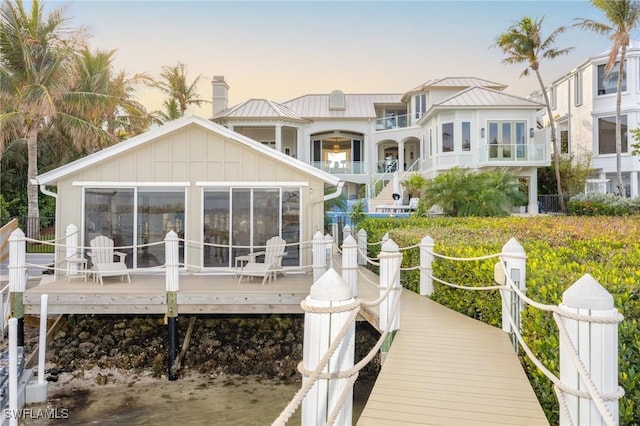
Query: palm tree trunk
x=554, y=142
x=32, y=171
x=619, y=183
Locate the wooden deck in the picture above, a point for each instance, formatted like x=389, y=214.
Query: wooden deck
x=199, y=294
x=444, y=368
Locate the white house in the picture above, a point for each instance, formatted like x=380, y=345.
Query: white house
x=583, y=104
x=457, y=121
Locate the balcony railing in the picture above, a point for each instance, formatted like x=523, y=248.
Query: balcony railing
x=346, y=167
x=395, y=122
x=513, y=152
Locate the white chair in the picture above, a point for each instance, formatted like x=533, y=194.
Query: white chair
x=273, y=254
x=102, y=257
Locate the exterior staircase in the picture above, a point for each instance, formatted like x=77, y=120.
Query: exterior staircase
x=385, y=197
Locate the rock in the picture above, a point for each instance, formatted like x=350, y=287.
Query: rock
x=120, y=326
x=85, y=335
x=101, y=380
x=86, y=347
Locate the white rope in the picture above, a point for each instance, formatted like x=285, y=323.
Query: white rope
x=367, y=258
x=464, y=287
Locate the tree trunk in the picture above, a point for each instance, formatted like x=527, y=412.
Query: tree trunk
x=619, y=183
x=32, y=172
x=554, y=142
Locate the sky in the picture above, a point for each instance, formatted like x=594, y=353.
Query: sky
x=282, y=50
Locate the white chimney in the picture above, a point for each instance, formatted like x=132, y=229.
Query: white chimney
x=220, y=100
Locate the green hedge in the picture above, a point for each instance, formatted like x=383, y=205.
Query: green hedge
x=559, y=251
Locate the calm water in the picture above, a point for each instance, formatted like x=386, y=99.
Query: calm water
x=190, y=401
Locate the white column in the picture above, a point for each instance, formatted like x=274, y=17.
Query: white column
x=597, y=347
x=401, y=156
x=278, y=132
x=426, y=269
x=320, y=329
x=13, y=371
x=350, y=263
x=634, y=184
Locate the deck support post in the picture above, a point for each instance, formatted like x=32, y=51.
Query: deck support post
x=362, y=246
x=13, y=371
x=390, y=260
x=320, y=330
x=596, y=344
x=17, y=279
x=350, y=263
x=426, y=266
x=514, y=258
x=38, y=391
x=319, y=256
x=173, y=286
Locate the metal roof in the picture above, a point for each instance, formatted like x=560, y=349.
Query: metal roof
x=357, y=105
x=485, y=97
x=457, y=82
x=258, y=108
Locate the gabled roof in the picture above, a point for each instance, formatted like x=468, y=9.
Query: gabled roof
x=53, y=176
x=454, y=83
x=356, y=105
x=482, y=97
x=259, y=108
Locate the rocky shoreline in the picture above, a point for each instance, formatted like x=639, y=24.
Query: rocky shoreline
x=110, y=348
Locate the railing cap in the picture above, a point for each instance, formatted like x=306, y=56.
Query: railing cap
x=330, y=287
x=349, y=241
x=587, y=293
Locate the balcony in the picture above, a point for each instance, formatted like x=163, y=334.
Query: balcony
x=393, y=122
x=341, y=167
x=514, y=153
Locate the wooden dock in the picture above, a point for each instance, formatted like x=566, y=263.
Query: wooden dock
x=445, y=368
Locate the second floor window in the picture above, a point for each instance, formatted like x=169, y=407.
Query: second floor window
x=607, y=134
x=420, y=104
x=608, y=83
x=447, y=137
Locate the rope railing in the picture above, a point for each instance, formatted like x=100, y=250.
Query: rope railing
x=316, y=373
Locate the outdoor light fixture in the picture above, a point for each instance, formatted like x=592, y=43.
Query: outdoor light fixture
x=482, y=133
x=531, y=132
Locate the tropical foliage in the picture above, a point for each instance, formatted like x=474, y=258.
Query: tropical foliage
x=180, y=93
x=623, y=17
x=460, y=192
x=523, y=44
x=574, y=172
x=414, y=183
x=599, y=204
x=559, y=251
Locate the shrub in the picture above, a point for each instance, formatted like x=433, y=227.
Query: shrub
x=599, y=204
x=559, y=251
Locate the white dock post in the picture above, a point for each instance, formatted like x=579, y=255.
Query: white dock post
x=328, y=241
x=173, y=286
x=38, y=391
x=319, y=256
x=17, y=279
x=515, y=261
x=390, y=260
x=334, y=232
x=320, y=329
x=597, y=347
x=426, y=266
x=13, y=371
x=346, y=232
x=350, y=263
x=362, y=246
x=71, y=250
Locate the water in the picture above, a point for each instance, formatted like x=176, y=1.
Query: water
x=190, y=401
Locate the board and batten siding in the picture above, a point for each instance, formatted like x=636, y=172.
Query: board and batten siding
x=192, y=154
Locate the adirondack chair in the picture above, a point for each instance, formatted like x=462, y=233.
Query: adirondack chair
x=102, y=257
x=273, y=254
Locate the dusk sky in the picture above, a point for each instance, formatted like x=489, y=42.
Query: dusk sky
x=282, y=50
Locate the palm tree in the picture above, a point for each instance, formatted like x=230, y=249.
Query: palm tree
x=523, y=44
x=36, y=72
x=624, y=17
x=181, y=93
